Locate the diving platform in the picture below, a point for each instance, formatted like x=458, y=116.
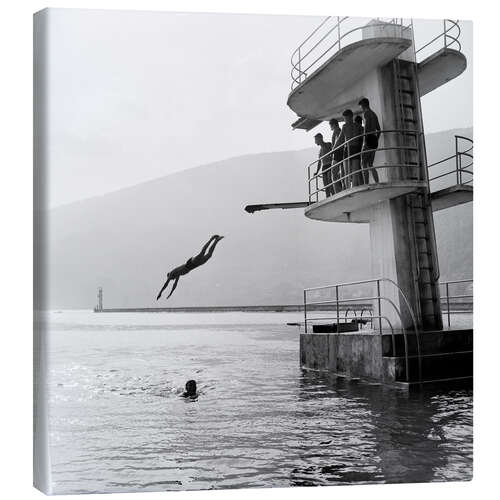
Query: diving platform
x=451, y=196
x=356, y=204
x=322, y=95
x=323, y=210
x=439, y=68
x=338, y=83
x=339, y=76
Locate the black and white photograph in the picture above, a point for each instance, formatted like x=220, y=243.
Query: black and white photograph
x=253, y=250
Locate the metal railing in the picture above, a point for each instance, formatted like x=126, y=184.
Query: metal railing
x=328, y=38
x=379, y=299
x=360, y=320
x=349, y=172
x=449, y=37
x=462, y=162
x=454, y=299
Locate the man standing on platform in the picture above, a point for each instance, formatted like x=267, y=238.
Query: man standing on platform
x=338, y=156
x=324, y=163
x=372, y=131
x=352, y=136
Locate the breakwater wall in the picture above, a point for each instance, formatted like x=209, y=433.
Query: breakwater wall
x=461, y=307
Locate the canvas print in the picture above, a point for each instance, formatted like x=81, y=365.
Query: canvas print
x=253, y=251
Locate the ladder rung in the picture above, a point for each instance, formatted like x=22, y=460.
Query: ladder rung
x=407, y=91
x=408, y=106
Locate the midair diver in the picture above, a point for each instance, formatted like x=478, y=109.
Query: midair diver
x=192, y=263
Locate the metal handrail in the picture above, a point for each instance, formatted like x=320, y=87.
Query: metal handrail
x=347, y=311
x=379, y=316
x=297, y=72
x=450, y=35
x=447, y=297
x=379, y=298
x=448, y=39
x=459, y=168
x=297, y=66
x=371, y=316
x=345, y=180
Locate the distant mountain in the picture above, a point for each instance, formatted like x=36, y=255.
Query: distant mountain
x=126, y=241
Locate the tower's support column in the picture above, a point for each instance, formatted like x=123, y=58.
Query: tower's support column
x=403, y=246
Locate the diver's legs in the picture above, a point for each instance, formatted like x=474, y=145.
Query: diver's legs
x=174, y=287
x=212, y=248
x=206, y=245
x=163, y=288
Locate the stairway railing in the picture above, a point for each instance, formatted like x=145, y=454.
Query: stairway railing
x=379, y=299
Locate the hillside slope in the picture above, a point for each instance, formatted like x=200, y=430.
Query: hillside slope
x=126, y=241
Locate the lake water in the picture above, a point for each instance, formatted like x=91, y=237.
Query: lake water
x=117, y=423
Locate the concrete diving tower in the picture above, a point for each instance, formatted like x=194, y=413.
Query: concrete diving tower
x=378, y=61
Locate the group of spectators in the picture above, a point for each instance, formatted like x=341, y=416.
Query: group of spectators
x=348, y=160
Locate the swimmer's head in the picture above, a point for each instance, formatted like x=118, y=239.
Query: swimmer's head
x=190, y=389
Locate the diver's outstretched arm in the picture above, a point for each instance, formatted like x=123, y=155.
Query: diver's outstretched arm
x=163, y=288
x=173, y=288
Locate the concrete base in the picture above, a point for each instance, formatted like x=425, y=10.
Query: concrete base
x=350, y=354
x=444, y=356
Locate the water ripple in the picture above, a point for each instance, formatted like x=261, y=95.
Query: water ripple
x=118, y=422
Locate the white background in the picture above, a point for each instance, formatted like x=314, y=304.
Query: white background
x=16, y=247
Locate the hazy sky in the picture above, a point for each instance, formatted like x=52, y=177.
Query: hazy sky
x=139, y=95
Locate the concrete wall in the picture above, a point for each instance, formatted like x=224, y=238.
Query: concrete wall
x=354, y=355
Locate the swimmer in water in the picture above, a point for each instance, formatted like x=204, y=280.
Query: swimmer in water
x=190, y=390
x=192, y=263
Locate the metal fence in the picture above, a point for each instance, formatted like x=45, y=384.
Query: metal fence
x=457, y=297
x=328, y=38
x=457, y=166
x=449, y=37
x=376, y=320
x=348, y=172
x=333, y=33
